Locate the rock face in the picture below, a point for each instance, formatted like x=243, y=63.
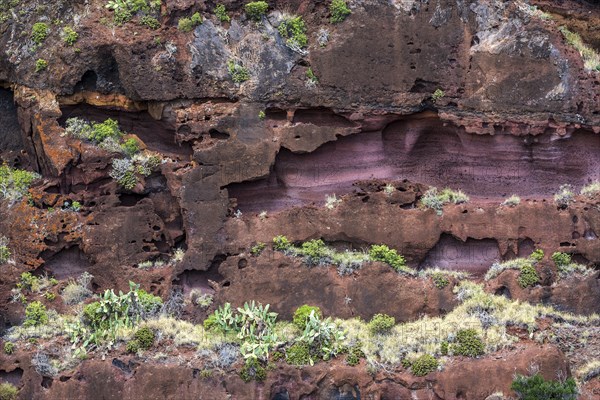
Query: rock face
x=516, y=112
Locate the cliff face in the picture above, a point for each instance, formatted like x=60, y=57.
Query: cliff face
x=486, y=96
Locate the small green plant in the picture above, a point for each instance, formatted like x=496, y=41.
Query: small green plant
x=591, y=189
x=389, y=256
x=187, y=24
x=389, y=189
x=41, y=65
x=528, y=276
x=381, y=324
x=438, y=94
x=444, y=348
x=339, y=11
x=35, y=314
x=130, y=147
x=39, y=32
x=70, y=37
x=204, y=300
x=294, y=30
x=591, y=59
x=512, y=201
x=15, y=183
x=150, y=22
x=312, y=78
x=298, y=354
x=561, y=259
x=424, y=365
x=537, y=255
x=436, y=200
x=133, y=346
x=564, y=196
x=332, y=201
x=257, y=248
x=9, y=347
x=237, y=72
x=145, y=337
x=302, y=314
x=314, y=251
x=261, y=115
x=221, y=13
x=354, y=355
x=8, y=391
x=468, y=343
x=281, y=243
x=256, y=9
x=253, y=370
x=439, y=280
x=4, y=250
x=49, y=296
x=536, y=387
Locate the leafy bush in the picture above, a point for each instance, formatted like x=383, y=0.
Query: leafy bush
x=281, y=243
x=591, y=189
x=436, y=200
x=15, y=183
x=187, y=24
x=39, y=32
x=528, y=276
x=468, y=343
x=314, y=251
x=9, y=347
x=438, y=94
x=339, y=11
x=4, y=250
x=133, y=346
x=123, y=172
x=77, y=290
x=537, y=255
x=439, y=280
x=298, y=354
x=221, y=13
x=124, y=10
x=256, y=9
x=381, y=324
x=561, y=259
x=70, y=37
x=35, y=314
x=512, y=201
x=257, y=248
x=145, y=337
x=536, y=387
x=41, y=65
x=252, y=369
x=389, y=256
x=294, y=30
x=424, y=365
x=8, y=391
x=444, y=346
x=302, y=314
x=518, y=264
x=564, y=196
x=130, y=147
x=238, y=73
x=323, y=337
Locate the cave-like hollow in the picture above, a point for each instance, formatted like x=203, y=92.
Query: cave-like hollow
x=423, y=148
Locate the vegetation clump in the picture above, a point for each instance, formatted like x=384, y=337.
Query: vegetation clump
x=591, y=59
x=125, y=10
x=15, y=183
x=9, y=347
x=302, y=314
x=256, y=9
x=564, y=196
x=8, y=391
x=389, y=256
x=528, y=276
x=436, y=200
x=258, y=248
x=512, y=201
x=4, y=250
x=293, y=29
x=187, y=24
x=423, y=365
x=35, y=314
x=41, y=65
x=253, y=370
x=591, y=189
x=439, y=280
x=237, y=72
x=381, y=324
x=536, y=387
x=221, y=13
x=566, y=266
x=70, y=37
x=143, y=339
x=339, y=11
x=39, y=32
x=437, y=94
x=468, y=343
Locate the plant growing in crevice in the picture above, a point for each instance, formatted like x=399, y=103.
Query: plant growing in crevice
x=436, y=200
x=4, y=250
x=39, y=32
x=188, y=24
x=423, y=365
x=437, y=94
x=512, y=201
x=293, y=29
x=256, y=10
x=536, y=387
x=381, y=324
x=591, y=58
x=591, y=189
x=564, y=197
x=69, y=35
x=41, y=65
x=237, y=72
x=15, y=183
x=339, y=11
x=221, y=13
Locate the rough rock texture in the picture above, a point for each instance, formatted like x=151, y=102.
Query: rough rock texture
x=519, y=114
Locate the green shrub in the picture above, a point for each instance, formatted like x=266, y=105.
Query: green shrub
x=439, y=280
x=150, y=22
x=145, y=337
x=298, y=354
x=35, y=314
x=210, y=323
x=354, y=355
x=389, y=256
x=41, y=65
x=257, y=248
x=103, y=130
x=528, y=276
x=281, y=243
x=339, y=11
x=561, y=259
x=593, y=188
x=564, y=196
x=381, y=324
x=331, y=201
x=252, y=369
x=537, y=255
x=221, y=13
x=15, y=183
x=294, y=30
x=9, y=347
x=256, y=9
x=536, y=387
x=302, y=314
x=130, y=147
x=238, y=73
x=444, y=348
x=29, y=282
x=512, y=201
x=468, y=343
x=438, y=94
x=149, y=302
x=436, y=200
x=4, y=250
x=261, y=115
x=39, y=32
x=49, y=296
x=197, y=19
x=70, y=37
x=133, y=346
x=8, y=391
x=314, y=251
x=424, y=365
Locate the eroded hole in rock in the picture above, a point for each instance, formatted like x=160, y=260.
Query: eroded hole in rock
x=11, y=140
x=200, y=281
x=47, y=382
x=88, y=82
x=130, y=199
x=422, y=148
x=422, y=86
x=590, y=234
x=13, y=377
x=215, y=134
x=503, y=291
x=474, y=255
x=158, y=136
x=525, y=247
x=68, y=263
x=320, y=116
x=276, y=114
